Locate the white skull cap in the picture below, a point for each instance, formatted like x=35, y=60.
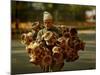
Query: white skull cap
x=47, y=15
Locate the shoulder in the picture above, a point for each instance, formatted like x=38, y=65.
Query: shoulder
x=57, y=30
x=42, y=31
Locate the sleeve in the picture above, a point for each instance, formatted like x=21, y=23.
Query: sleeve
x=39, y=35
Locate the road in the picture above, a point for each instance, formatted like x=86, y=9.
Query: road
x=20, y=61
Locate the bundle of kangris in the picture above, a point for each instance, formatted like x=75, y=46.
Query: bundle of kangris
x=41, y=56
x=57, y=55
x=73, y=45
x=46, y=60
x=74, y=40
x=58, y=60
x=36, y=26
x=70, y=54
x=50, y=39
x=27, y=40
x=51, y=51
x=38, y=54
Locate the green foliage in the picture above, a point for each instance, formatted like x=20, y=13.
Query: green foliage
x=31, y=11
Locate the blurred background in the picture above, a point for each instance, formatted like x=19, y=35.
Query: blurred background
x=83, y=17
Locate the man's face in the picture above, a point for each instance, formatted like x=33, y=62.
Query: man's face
x=48, y=23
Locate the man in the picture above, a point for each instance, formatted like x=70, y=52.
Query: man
x=48, y=26
x=49, y=29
